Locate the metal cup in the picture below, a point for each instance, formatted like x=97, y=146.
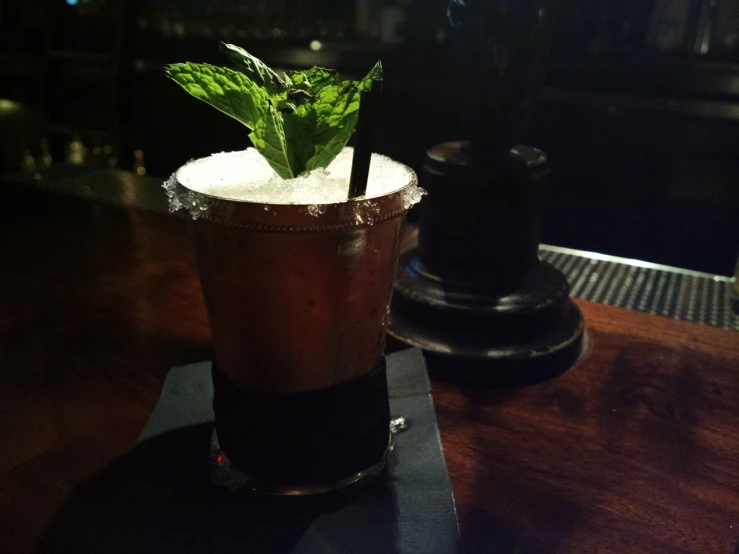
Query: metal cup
x=298, y=297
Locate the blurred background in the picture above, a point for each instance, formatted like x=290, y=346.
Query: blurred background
x=640, y=114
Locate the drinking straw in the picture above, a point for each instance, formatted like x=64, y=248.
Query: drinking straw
x=368, y=102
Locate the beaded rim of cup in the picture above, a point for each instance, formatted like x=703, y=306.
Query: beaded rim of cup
x=264, y=228
x=299, y=218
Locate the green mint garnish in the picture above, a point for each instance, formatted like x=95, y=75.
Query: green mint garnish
x=298, y=122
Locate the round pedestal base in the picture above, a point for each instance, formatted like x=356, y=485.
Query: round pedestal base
x=517, y=338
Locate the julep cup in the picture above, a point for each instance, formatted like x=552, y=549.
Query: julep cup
x=298, y=298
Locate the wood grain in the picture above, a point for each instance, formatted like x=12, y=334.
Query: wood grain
x=96, y=304
x=634, y=450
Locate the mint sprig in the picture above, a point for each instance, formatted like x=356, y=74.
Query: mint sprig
x=298, y=122
x=229, y=91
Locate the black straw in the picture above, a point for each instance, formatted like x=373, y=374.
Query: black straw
x=368, y=102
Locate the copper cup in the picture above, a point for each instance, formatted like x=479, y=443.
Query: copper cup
x=298, y=297
x=295, y=301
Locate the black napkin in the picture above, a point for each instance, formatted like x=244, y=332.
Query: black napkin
x=158, y=498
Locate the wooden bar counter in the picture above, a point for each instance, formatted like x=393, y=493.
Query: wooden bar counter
x=635, y=450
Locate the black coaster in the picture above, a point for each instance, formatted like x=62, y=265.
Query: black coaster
x=158, y=498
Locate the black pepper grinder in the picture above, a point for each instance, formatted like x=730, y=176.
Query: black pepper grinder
x=473, y=293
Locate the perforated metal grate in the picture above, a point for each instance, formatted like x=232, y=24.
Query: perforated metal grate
x=646, y=287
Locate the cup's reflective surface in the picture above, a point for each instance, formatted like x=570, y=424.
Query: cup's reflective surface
x=296, y=301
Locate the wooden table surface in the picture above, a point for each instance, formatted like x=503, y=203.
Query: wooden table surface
x=634, y=450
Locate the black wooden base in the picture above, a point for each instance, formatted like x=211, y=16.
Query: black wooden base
x=522, y=337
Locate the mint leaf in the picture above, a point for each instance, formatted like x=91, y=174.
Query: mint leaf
x=375, y=73
x=313, y=80
x=335, y=112
x=299, y=122
x=326, y=152
x=229, y=91
x=323, y=117
x=255, y=69
x=334, y=104
x=283, y=141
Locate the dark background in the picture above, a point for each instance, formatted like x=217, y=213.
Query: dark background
x=640, y=115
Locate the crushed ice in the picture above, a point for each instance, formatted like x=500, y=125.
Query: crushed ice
x=316, y=209
x=246, y=176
